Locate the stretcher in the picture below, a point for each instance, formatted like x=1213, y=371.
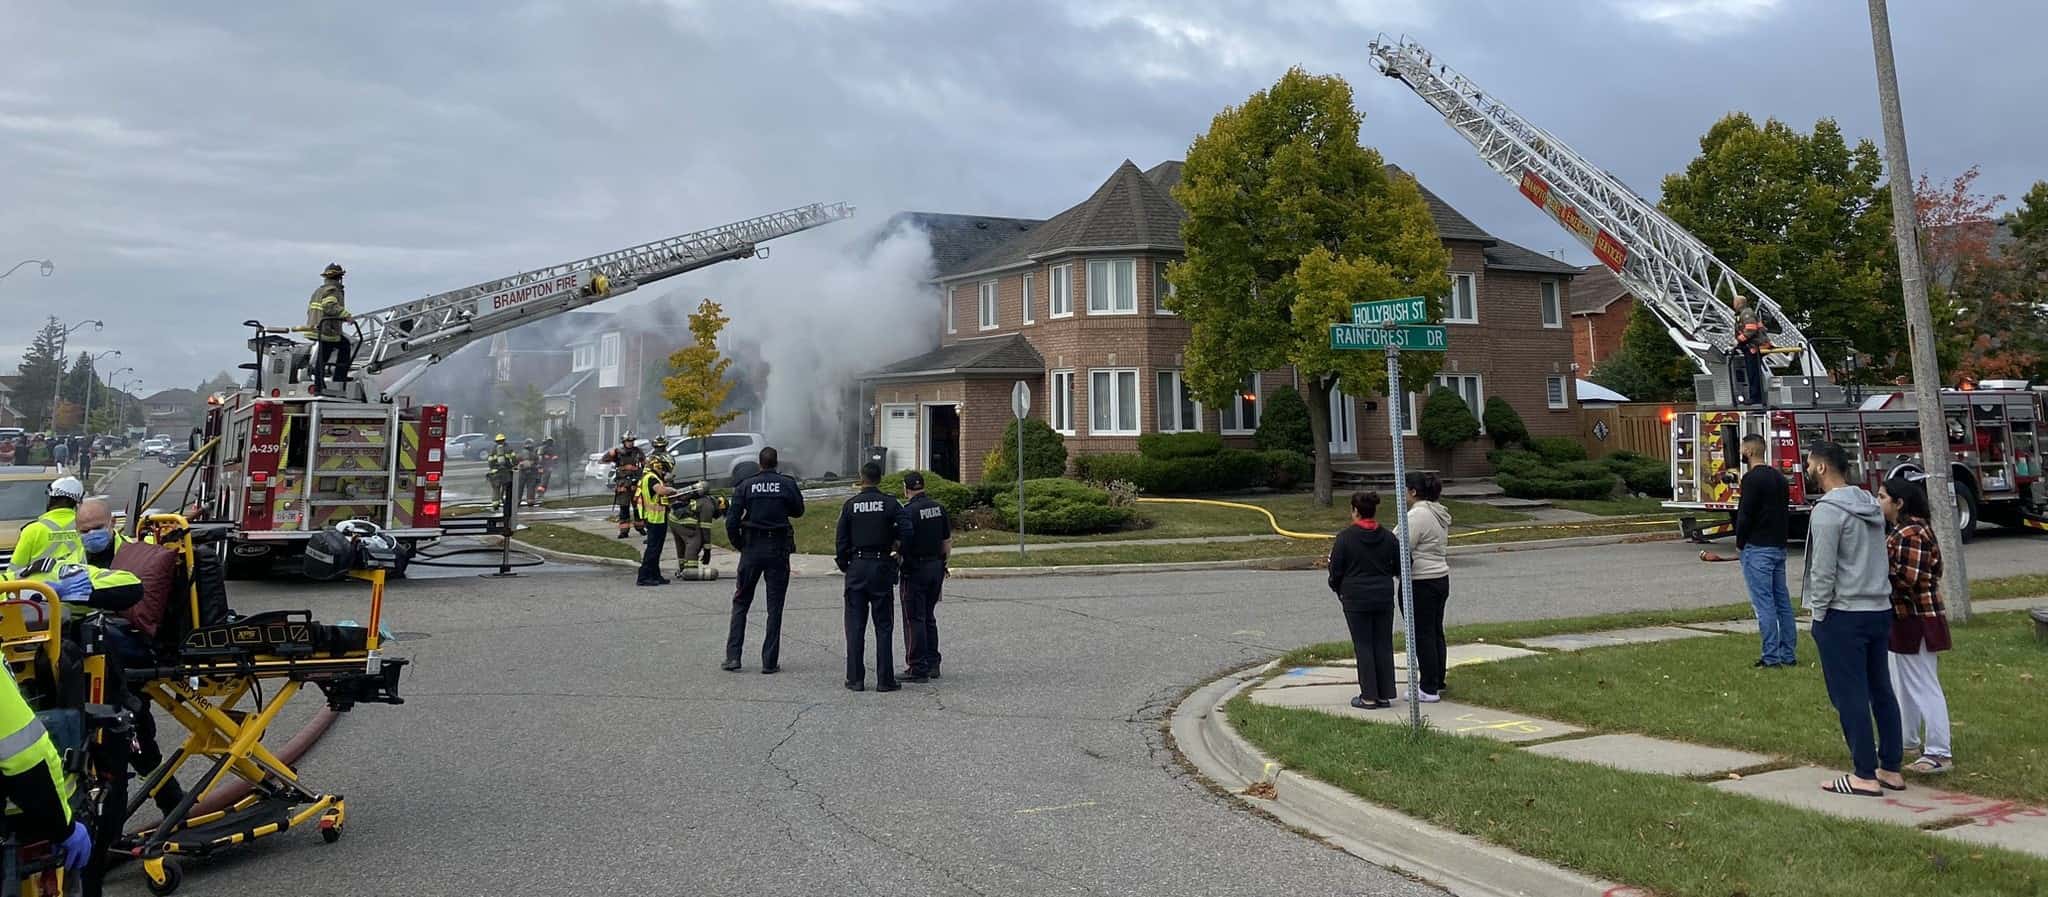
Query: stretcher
x=225, y=683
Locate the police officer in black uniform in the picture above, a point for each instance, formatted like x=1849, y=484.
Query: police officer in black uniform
x=924, y=571
x=871, y=526
x=758, y=525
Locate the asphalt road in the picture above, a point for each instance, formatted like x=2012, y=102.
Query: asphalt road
x=565, y=732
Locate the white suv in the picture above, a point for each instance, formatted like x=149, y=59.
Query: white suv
x=731, y=457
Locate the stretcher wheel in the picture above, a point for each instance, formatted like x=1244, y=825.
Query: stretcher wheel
x=330, y=834
x=173, y=877
x=330, y=824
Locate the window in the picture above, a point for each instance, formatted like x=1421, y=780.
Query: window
x=1467, y=388
x=504, y=367
x=1178, y=410
x=1462, y=307
x=1061, y=408
x=727, y=443
x=1240, y=416
x=687, y=447
x=988, y=305
x=1407, y=411
x=585, y=357
x=1063, y=291
x=1161, y=289
x=1553, y=392
x=1553, y=310
x=949, y=311
x=1112, y=287
x=1028, y=278
x=1113, y=403
x=608, y=360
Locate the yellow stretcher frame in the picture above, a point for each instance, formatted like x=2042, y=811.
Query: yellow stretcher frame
x=23, y=645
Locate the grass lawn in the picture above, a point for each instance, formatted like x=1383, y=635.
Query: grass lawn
x=1614, y=507
x=1521, y=629
x=575, y=541
x=591, y=500
x=1704, y=690
x=1675, y=837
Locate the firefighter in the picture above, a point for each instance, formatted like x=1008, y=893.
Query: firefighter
x=652, y=494
x=324, y=314
x=529, y=474
x=32, y=781
x=549, y=457
x=1750, y=342
x=55, y=527
x=690, y=524
x=661, y=448
x=499, y=465
x=626, y=461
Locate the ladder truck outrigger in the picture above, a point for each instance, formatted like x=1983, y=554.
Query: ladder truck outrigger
x=281, y=463
x=1996, y=433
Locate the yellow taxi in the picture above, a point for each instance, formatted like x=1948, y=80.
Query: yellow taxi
x=24, y=492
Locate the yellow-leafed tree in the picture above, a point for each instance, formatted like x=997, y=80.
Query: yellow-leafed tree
x=696, y=387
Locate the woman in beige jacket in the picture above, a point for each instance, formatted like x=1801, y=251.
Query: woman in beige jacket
x=1429, y=529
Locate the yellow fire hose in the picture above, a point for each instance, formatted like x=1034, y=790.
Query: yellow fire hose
x=136, y=522
x=1275, y=522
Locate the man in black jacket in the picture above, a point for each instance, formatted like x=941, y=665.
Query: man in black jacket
x=1762, y=519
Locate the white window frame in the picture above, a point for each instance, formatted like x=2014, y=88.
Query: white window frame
x=1115, y=403
x=1451, y=315
x=1564, y=396
x=1550, y=304
x=950, y=328
x=609, y=351
x=1159, y=296
x=1028, y=280
x=1113, y=271
x=1163, y=401
x=990, y=304
x=1059, y=410
x=1060, y=294
x=1234, y=413
x=1476, y=401
x=1408, y=422
x=583, y=358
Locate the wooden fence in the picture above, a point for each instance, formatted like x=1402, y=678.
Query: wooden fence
x=1640, y=427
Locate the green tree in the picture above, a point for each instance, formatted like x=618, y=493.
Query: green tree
x=1290, y=220
x=1045, y=454
x=1648, y=367
x=1504, y=424
x=2030, y=220
x=1987, y=304
x=1446, y=421
x=527, y=406
x=1284, y=424
x=1807, y=219
x=41, y=366
x=696, y=387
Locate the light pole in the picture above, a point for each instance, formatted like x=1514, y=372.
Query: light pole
x=92, y=383
x=57, y=391
x=43, y=264
x=131, y=390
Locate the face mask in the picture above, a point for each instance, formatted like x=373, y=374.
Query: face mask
x=98, y=540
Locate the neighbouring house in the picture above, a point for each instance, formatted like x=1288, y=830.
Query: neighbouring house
x=171, y=412
x=1601, y=307
x=1070, y=306
x=9, y=415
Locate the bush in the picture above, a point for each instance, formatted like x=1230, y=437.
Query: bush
x=1045, y=453
x=1063, y=507
x=1226, y=471
x=1558, y=449
x=1169, y=446
x=1284, y=426
x=1643, y=475
x=1525, y=474
x=1446, y=420
x=1286, y=469
x=955, y=498
x=1504, y=425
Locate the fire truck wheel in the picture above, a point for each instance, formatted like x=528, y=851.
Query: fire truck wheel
x=1966, y=509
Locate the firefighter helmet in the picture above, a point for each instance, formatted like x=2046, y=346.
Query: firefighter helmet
x=661, y=465
x=500, y=438
x=332, y=270
x=661, y=443
x=68, y=487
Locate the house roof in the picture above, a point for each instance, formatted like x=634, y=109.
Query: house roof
x=1129, y=210
x=1595, y=290
x=1511, y=257
x=1451, y=224
x=566, y=386
x=1008, y=354
x=956, y=239
x=1588, y=391
x=183, y=397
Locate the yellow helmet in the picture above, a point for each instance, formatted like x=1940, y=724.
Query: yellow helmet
x=500, y=438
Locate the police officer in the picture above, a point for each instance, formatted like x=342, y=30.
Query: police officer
x=653, y=493
x=324, y=314
x=871, y=526
x=626, y=462
x=758, y=525
x=499, y=465
x=60, y=512
x=924, y=572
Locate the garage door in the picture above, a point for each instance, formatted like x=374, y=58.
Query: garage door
x=899, y=435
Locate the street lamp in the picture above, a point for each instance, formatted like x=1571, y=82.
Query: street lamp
x=92, y=386
x=57, y=390
x=43, y=264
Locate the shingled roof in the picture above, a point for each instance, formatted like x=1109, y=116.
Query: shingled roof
x=1595, y=290
x=1129, y=210
x=958, y=238
x=1007, y=354
x=1511, y=257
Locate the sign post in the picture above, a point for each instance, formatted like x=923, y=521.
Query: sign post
x=1020, y=408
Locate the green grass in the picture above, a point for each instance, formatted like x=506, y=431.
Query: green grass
x=2025, y=585
x=575, y=541
x=1614, y=507
x=593, y=500
x=1509, y=633
x=1675, y=837
x=1704, y=690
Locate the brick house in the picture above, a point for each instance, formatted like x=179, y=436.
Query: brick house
x=1070, y=306
x=1601, y=307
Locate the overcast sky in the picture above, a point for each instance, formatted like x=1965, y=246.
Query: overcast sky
x=188, y=168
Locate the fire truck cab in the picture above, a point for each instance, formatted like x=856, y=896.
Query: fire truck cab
x=1997, y=435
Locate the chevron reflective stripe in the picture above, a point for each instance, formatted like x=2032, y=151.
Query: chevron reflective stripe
x=404, y=505
x=24, y=738
x=356, y=459
x=409, y=446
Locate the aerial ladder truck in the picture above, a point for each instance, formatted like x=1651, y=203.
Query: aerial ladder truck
x=282, y=462
x=1996, y=433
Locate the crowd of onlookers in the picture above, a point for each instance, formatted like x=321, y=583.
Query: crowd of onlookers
x=67, y=453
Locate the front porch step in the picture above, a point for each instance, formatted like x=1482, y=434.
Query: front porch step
x=1473, y=490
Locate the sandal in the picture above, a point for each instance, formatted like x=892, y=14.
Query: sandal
x=1929, y=765
x=1842, y=785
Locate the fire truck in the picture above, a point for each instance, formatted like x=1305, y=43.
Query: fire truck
x=281, y=461
x=1995, y=433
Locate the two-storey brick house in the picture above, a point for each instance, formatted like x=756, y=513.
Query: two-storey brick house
x=1071, y=307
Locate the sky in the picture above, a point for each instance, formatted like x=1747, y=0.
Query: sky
x=190, y=166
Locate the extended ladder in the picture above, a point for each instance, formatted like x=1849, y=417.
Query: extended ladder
x=430, y=329
x=1663, y=265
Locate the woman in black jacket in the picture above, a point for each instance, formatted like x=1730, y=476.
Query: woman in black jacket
x=1365, y=565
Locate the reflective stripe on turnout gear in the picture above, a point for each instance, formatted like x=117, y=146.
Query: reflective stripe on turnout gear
x=22, y=740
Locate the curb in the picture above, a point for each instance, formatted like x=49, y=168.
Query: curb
x=1460, y=864
x=564, y=557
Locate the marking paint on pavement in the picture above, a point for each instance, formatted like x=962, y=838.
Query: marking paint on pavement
x=1072, y=806
x=1518, y=726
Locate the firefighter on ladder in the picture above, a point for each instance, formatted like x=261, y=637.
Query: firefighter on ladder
x=325, y=313
x=626, y=461
x=1751, y=342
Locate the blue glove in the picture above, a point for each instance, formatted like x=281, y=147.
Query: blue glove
x=77, y=848
x=75, y=587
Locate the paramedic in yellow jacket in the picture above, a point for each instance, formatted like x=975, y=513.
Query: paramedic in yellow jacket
x=652, y=498
x=54, y=527
x=62, y=561
x=32, y=781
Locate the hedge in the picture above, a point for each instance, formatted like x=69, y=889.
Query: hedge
x=1168, y=446
x=1226, y=471
x=1504, y=424
x=1524, y=474
x=1284, y=426
x=1643, y=475
x=1558, y=449
x=955, y=498
x=1446, y=420
x=1045, y=453
x=1062, y=507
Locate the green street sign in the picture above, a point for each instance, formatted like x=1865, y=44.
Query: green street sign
x=1412, y=310
x=1423, y=338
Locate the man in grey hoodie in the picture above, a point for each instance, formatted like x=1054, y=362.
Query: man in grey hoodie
x=1847, y=586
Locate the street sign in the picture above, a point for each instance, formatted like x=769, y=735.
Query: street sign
x=1411, y=338
x=1020, y=400
x=1412, y=310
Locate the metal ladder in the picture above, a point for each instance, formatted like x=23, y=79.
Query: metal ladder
x=1660, y=262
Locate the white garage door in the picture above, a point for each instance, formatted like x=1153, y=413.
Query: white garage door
x=899, y=435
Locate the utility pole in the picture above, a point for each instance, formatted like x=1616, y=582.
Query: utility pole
x=1955, y=580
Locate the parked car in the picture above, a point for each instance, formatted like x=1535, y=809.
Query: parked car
x=155, y=446
x=594, y=465
x=724, y=459
x=24, y=492
x=460, y=446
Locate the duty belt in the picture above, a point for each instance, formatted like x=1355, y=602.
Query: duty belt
x=871, y=555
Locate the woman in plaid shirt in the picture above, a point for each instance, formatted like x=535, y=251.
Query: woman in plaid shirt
x=1919, y=626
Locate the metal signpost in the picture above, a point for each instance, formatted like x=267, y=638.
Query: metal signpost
x=1020, y=408
x=1390, y=326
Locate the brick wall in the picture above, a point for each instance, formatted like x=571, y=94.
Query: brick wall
x=1596, y=337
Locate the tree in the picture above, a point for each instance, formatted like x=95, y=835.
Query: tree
x=1504, y=424
x=528, y=407
x=697, y=387
x=1986, y=304
x=1648, y=367
x=1290, y=220
x=1805, y=217
x=40, y=368
x=2030, y=220
x=1446, y=421
x=1284, y=424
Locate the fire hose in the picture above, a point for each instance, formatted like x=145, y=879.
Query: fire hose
x=1277, y=528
